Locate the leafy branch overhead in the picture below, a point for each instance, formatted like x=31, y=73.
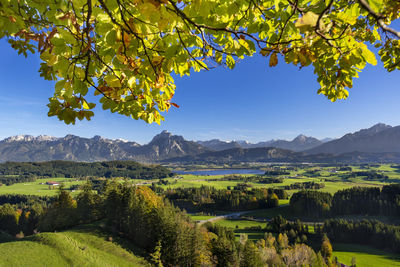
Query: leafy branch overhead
x=126, y=51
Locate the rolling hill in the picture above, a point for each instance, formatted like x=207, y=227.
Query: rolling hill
x=84, y=246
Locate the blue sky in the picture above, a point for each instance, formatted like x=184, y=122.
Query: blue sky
x=252, y=102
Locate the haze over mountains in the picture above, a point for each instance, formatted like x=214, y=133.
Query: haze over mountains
x=379, y=143
x=299, y=143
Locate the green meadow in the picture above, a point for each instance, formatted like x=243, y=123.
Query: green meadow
x=242, y=227
x=332, y=180
x=76, y=247
x=365, y=256
x=39, y=187
x=201, y=217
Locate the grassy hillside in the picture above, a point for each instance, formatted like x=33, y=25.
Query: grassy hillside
x=87, y=246
x=365, y=256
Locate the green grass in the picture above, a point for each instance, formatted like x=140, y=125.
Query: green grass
x=78, y=247
x=201, y=217
x=36, y=188
x=365, y=256
x=284, y=202
x=240, y=225
x=190, y=180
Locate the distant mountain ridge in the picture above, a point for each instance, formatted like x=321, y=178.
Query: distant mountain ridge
x=379, y=138
x=70, y=147
x=379, y=143
x=75, y=148
x=218, y=145
x=299, y=143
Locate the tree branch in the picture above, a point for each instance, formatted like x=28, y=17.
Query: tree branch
x=379, y=18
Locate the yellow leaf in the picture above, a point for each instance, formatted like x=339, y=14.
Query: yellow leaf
x=307, y=22
x=85, y=104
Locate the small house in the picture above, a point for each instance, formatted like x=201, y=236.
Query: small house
x=52, y=183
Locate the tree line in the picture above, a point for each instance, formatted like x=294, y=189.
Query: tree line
x=366, y=232
x=23, y=201
x=304, y=185
x=234, y=198
x=367, y=175
x=276, y=172
x=14, y=172
x=356, y=200
x=12, y=179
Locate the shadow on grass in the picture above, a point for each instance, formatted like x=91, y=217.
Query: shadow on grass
x=356, y=248
x=4, y=237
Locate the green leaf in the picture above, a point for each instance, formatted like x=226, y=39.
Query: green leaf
x=59, y=86
x=112, y=81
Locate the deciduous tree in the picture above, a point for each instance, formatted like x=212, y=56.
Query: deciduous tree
x=126, y=51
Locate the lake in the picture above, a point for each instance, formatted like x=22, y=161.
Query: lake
x=221, y=172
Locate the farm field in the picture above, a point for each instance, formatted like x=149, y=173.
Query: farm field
x=84, y=246
x=328, y=175
x=365, y=256
x=198, y=181
x=240, y=226
x=332, y=181
x=39, y=187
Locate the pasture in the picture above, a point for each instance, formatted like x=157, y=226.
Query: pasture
x=329, y=176
x=365, y=256
x=85, y=246
x=39, y=187
x=243, y=227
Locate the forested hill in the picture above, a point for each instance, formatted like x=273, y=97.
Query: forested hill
x=106, y=169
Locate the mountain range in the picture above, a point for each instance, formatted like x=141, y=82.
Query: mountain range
x=379, y=138
x=379, y=143
x=300, y=143
x=71, y=147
